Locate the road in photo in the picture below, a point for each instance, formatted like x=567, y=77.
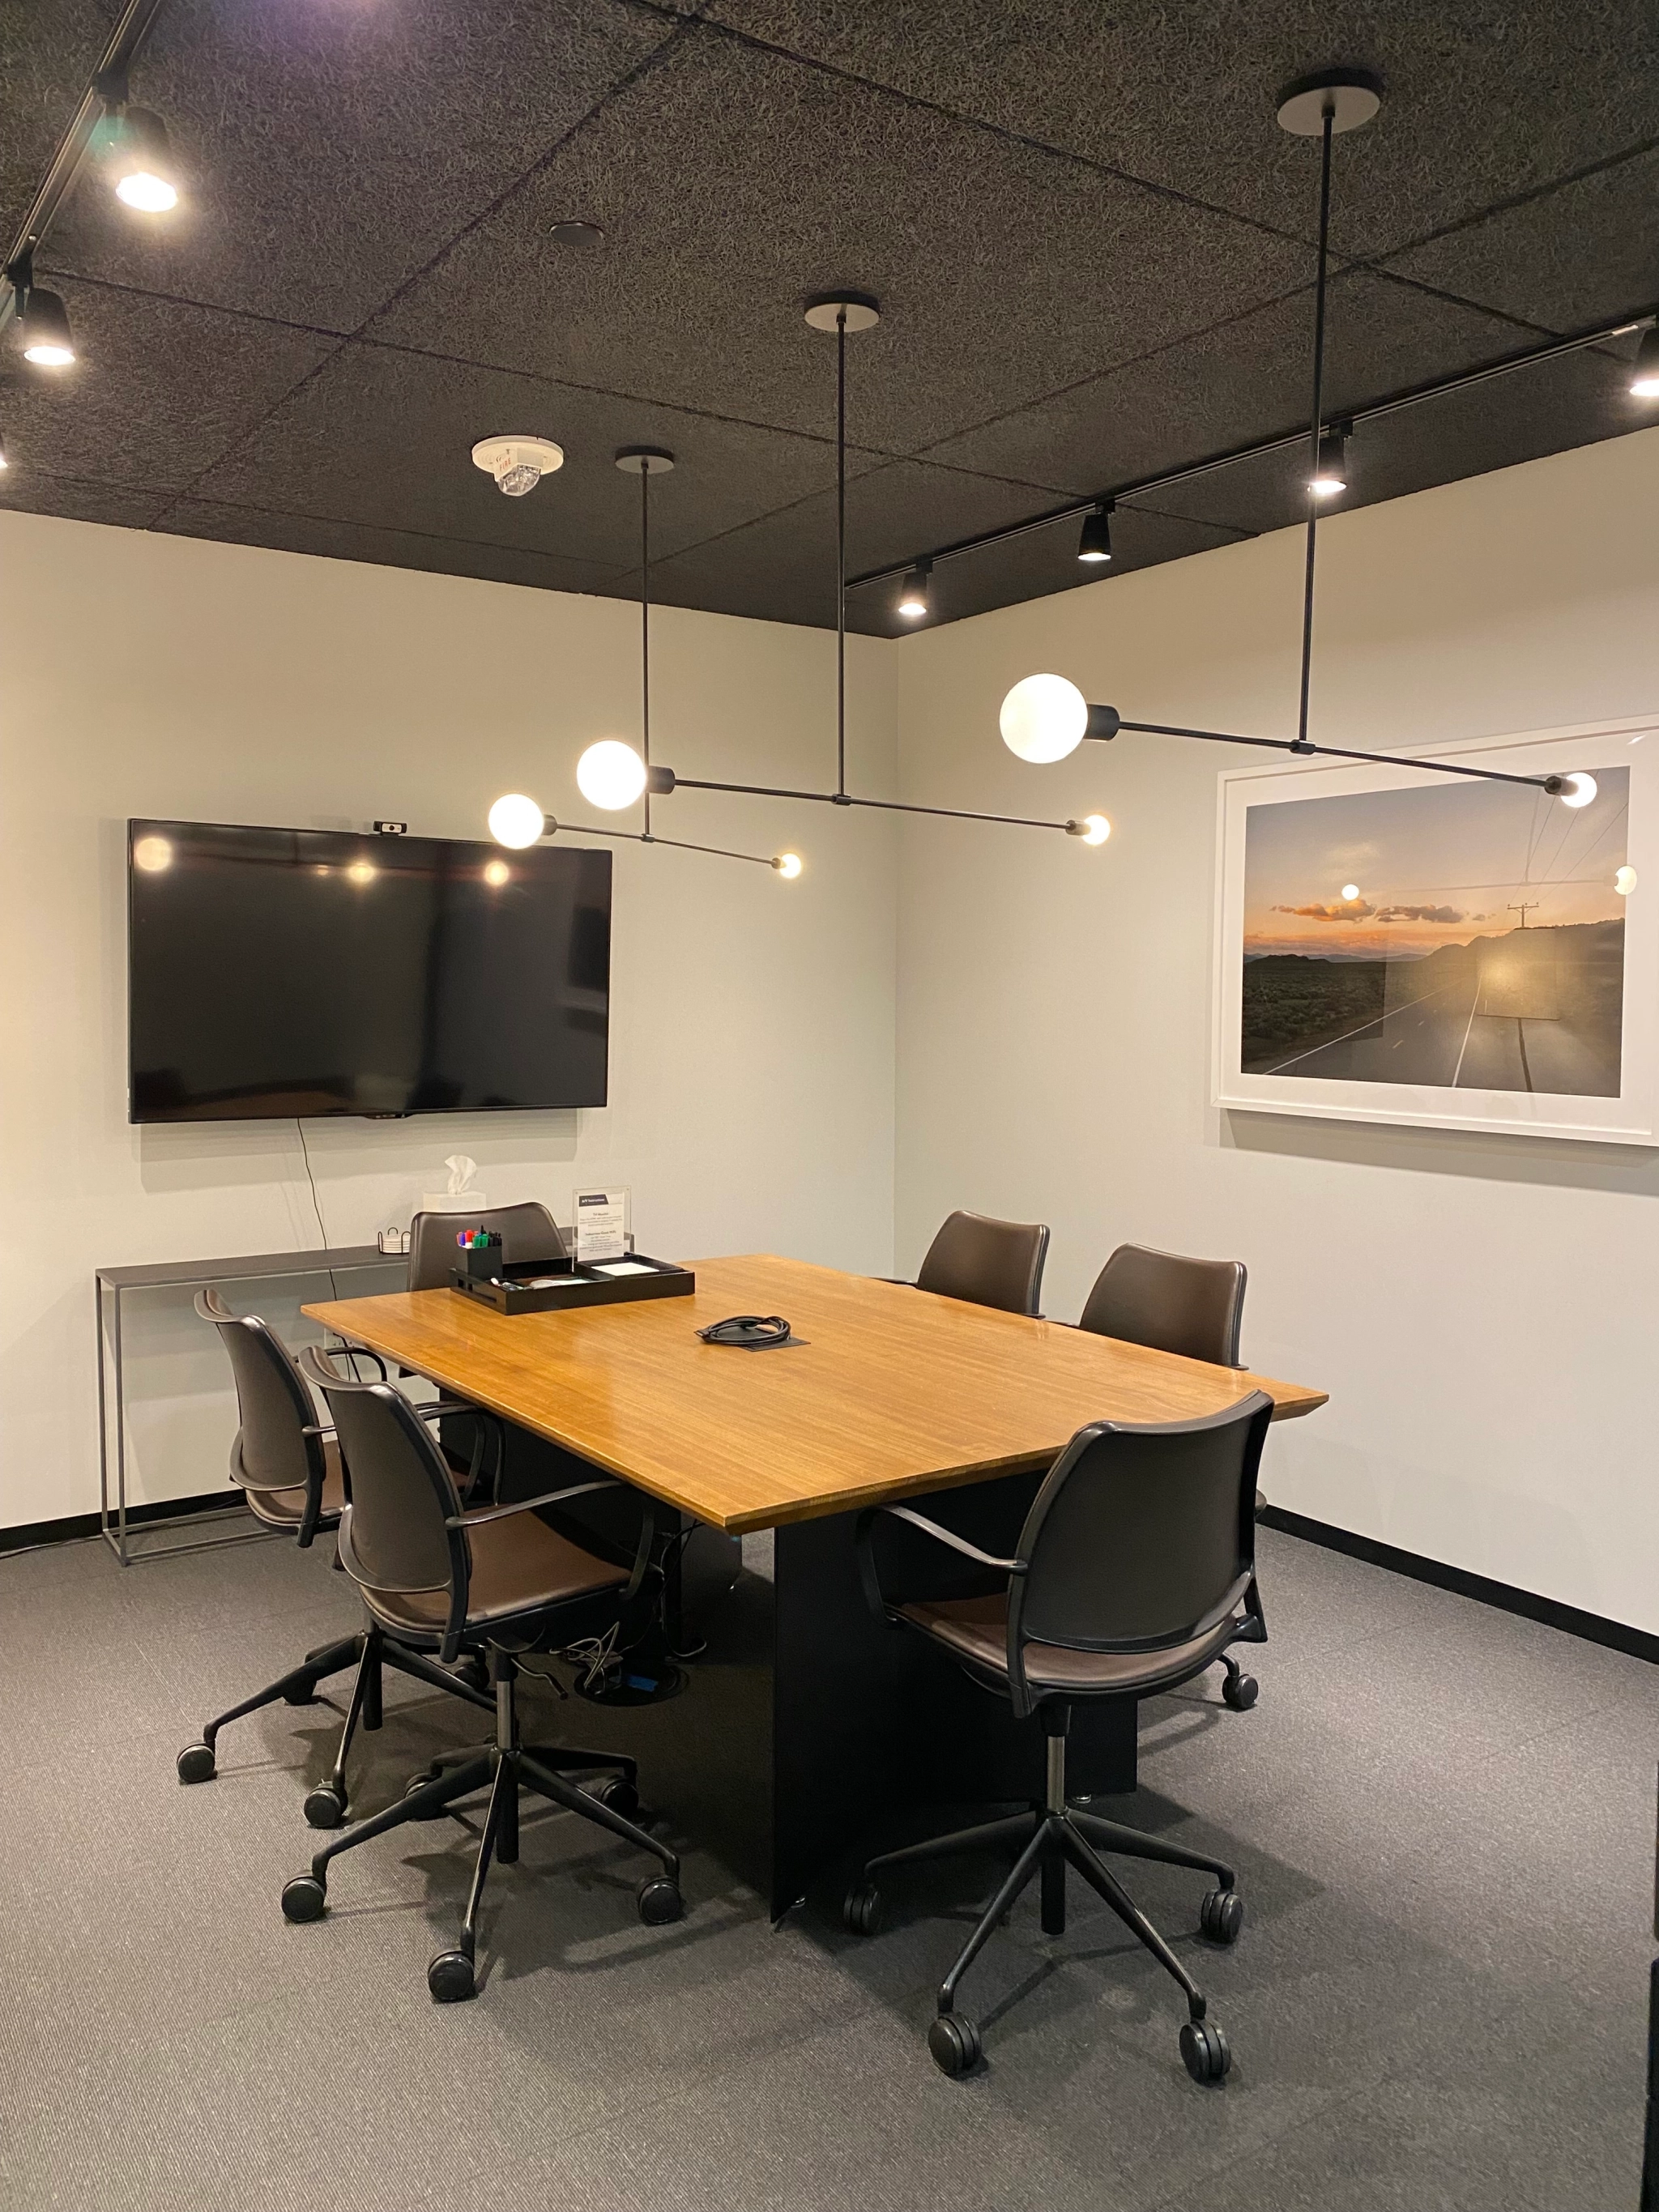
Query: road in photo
x=1468, y=937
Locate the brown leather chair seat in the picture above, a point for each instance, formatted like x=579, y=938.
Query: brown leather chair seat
x=518, y=1565
x=976, y=1630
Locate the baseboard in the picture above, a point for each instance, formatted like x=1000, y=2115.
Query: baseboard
x=1569, y=1618
x=75, y=1526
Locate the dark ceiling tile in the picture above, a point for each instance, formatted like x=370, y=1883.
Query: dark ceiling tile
x=29, y=492
x=48, y=49
x=158, y=391
x=1484, y=101
x=1236, y=385
x=1579, y=256
x=328, y=150
x=732, y=183
x=385, y=438
x=385, y=548
x=1493, y=425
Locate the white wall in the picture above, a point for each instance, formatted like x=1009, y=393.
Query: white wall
x=752, y=1033
x=1483, y=1311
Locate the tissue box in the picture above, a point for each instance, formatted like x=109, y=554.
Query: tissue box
x=450, y=1201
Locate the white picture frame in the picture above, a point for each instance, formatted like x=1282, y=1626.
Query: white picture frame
x=1630, y=1117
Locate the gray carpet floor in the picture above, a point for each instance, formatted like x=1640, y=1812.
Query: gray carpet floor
x=1443, y=1817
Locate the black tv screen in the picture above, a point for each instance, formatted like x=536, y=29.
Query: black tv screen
x=278, y=972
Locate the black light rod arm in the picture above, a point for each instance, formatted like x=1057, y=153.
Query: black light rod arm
x=1316, y=408
x=644, y=837
x=1075, y=509
x=120, y=51
x=1341, y=752
x=886, y=805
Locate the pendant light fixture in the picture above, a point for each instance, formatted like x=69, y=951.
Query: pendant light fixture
x=841, y=314
x=44, y=337
x=611, y=775
x=1045, y=718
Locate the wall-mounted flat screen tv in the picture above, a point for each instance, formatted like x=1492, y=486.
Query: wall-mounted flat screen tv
x=279, y=972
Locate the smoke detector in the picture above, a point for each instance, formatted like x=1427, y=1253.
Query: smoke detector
x=518, y=465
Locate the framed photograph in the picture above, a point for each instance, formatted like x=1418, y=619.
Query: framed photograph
x=1398, y=945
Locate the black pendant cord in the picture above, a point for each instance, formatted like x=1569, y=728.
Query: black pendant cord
x=1315, y=427
x=840, y=552
x=645, y=631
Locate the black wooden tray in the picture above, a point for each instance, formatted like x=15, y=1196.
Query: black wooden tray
x=513, y=1294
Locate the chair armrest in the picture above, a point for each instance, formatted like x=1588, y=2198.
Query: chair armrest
x=436, y=1406
x=526, y=1505
x=957, y=1543
x=347, y=1350
x=317, y=1429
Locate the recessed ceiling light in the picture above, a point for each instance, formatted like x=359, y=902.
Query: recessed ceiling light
x=576, y=233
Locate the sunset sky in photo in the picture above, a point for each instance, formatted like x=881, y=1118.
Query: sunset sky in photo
x=1440, y=864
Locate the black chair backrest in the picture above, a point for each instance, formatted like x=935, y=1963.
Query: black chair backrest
x=392, y=1536
x=528, y=1233
x=986, y=1262
x=273, y=1450
x=1142, y=1537
x=1159, y=1299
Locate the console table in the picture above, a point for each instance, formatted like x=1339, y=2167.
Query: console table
x=112, y=1284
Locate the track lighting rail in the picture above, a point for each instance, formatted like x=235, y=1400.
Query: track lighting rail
x=1075, y=510
x=124, y=44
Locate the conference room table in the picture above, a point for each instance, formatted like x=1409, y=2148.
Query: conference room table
x=810, y=1726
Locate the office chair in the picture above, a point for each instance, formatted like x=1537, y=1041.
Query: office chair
x=496, y=1581
x=986, y=1262
x=527, y=1232
x=1193, y=1307
x=1127, y=1579
x=288, y=1466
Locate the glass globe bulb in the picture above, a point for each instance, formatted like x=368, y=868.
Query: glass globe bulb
x=149, y=195
x=789, y=866
x=1624, y=882
x=1044, y=718
x=516, y=821
x=1350, y=890
x=1581, y=789
x=611, y=775
x=1096, y=829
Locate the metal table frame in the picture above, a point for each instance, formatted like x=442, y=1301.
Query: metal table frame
x=109, y=1285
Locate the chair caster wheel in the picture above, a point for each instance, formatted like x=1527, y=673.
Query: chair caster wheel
x=419, y=1782
x=659, y=1901
x=1221, y=1916
x=620, y=1795
x=954, y=2042
x=1205, y=2048
x=1240, y=1692
x=861, y=1909
x=196, y=1763
x=451, y=1979
x=304, y=1899
x=325, y=1807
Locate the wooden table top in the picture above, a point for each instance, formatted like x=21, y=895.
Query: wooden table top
x=894, y=1393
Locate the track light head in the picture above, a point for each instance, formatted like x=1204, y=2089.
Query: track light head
x=1331, y=475
x=1645, y=374
x=913, y=593
x=43, y=327
x=5, y=461
x=141, y=161
x=1095, y=542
